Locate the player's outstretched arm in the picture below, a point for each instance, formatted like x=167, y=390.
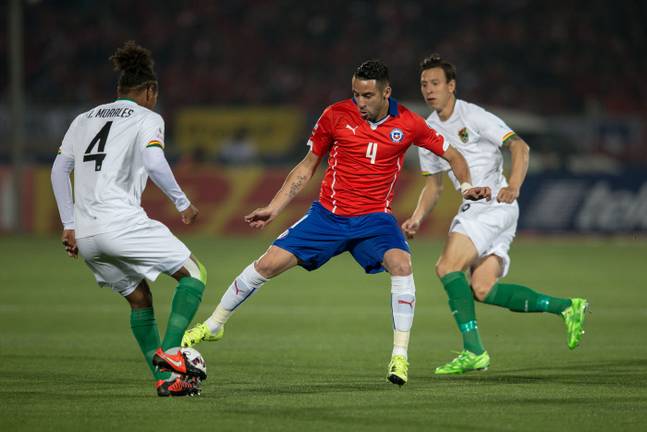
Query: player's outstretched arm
x=426, y=202
x=294, y=183
x=462, y=172
x=160, y=172
x=520, y=152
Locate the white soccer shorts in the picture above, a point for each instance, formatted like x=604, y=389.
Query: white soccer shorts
x=490, y=225
x=122, y=259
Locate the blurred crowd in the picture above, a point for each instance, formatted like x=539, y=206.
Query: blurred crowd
x=546, y=57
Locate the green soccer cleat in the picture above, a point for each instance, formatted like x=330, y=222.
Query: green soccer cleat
x=465, y=362
x=398, y=370
x=201, y=333
x=574, y=319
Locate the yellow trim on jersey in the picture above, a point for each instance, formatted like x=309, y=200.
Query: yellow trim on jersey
x=507, y=136
x=155, y=143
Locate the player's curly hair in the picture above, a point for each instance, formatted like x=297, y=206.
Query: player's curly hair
x=136, y=66
x=435, y=61
x=373, y=70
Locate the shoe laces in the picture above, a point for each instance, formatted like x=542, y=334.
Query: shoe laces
x=462, y=358
x=398, y=363
x=180, y=384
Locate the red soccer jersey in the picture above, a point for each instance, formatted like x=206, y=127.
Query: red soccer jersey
x=365, y=158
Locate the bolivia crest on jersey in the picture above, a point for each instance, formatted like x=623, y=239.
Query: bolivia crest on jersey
x=396, y=135
x=463, y=135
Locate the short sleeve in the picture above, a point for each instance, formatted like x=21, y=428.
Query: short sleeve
x=491, y=127
x=427, y=137
x=151, y=133
x=430, y=163
x=67, y=146
x=322, y=134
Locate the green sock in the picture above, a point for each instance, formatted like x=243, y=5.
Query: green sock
x=461, y=303
x=144, y=327
x=519, y=298
x=186, y=300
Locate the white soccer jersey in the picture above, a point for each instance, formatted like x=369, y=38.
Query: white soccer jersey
x=107, y=146
x=478, y=135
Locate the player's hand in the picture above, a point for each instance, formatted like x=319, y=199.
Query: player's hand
x=507, y=194
x=189, y=214
x=410, y=227
x=69, y=242
x=477, y=193
x=260, y=217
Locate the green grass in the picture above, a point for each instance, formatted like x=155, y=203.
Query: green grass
x=309, y=351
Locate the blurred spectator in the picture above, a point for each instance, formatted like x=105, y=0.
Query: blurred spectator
x=539, y=56
x=238, y=149
x=547, y=57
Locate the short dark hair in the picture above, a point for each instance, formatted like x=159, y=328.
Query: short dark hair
x=136, y=66
x=373, y=70
x=435, y=61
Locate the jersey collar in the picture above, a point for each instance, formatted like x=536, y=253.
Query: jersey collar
x=125, y=100
x=454, y=114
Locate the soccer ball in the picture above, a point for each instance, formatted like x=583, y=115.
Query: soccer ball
x=192, y=356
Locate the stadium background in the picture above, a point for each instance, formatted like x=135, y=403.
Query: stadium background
x=242, y=83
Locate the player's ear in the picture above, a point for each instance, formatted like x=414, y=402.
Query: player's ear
x=387, y=92
x=452, y=86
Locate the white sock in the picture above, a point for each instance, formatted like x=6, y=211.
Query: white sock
x=240, y=290
x=403, y=305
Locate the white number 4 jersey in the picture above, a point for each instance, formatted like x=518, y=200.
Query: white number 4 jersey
x=107, y=145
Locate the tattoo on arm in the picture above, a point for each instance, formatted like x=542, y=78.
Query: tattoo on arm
x=296, y=186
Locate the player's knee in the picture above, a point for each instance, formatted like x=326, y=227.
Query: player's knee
x=400, y=268
x=443, y=268
x=397, y=262
x=141, y=297
x=481, y=288
x=266, y=267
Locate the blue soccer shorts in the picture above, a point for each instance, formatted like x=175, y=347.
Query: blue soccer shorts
x=321, y=235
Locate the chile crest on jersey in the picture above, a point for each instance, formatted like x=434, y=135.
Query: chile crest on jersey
x=396, y=135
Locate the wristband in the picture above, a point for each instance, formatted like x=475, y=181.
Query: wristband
x=465, y=186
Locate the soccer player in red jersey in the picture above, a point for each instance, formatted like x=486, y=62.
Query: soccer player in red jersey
x=365, y=138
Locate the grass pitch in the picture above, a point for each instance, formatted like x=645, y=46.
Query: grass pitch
x=309, y=350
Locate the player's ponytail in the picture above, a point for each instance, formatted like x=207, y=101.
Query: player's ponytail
x=136, y=66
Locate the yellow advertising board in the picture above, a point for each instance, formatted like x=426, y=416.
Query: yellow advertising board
x=272, y=131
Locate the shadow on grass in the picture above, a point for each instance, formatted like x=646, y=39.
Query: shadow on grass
x=626, y=373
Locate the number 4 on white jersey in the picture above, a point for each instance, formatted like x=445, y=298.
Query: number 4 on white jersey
x=371, y=152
